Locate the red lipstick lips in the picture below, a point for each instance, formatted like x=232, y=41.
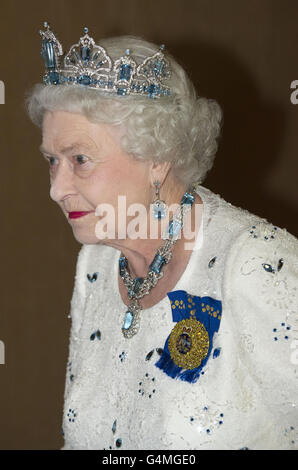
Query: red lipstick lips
x=76, y=215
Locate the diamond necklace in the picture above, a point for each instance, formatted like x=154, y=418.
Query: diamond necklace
x=138, y=287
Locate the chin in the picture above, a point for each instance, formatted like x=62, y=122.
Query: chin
x=85, y=238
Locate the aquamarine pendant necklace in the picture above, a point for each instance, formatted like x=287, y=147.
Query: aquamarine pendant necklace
x=141, y=286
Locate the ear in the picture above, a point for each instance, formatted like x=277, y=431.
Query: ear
x=159, y=172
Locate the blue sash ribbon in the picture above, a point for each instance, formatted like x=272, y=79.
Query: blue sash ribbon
x=208, y=312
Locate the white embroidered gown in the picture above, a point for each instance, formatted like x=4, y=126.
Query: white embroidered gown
x=246, y=393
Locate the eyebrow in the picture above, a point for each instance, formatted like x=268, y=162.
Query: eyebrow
x=66, y=149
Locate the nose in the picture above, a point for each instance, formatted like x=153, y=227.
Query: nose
x=62, y=182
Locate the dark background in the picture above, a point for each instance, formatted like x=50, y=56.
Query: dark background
x=243, y=53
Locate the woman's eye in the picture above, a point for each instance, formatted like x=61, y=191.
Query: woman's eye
x=51, y=161
x=81, y=159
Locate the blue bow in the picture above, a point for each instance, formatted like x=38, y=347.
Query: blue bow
x=208, y=312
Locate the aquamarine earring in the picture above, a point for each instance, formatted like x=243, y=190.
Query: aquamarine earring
x=158, y=207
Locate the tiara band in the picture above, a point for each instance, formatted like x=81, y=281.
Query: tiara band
x=89, y=65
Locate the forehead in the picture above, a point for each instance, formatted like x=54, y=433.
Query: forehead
x=63, y=132
x=58, y=123
x=64, y=120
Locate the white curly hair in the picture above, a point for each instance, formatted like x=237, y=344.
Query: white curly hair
x=182, y=128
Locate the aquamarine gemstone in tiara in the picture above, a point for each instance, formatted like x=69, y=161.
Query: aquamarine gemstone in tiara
x=125, y=71
x=89, y=65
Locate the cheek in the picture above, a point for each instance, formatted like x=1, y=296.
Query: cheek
x=118, y=178
x=103, y=187
x=126, y=174
x=124, y=177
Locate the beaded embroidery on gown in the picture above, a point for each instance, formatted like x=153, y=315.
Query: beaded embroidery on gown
x=241, y=284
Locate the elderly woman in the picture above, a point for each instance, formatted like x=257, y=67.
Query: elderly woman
x=184, y=311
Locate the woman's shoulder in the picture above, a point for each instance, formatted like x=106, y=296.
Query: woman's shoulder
x=254, y=250
x=259, y=261
x=219, y=213
x=260, y=300
x=263, y=258
x=242, y=227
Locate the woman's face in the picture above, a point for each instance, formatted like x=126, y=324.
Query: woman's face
x=88, y=168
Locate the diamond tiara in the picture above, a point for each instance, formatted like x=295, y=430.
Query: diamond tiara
x=89, y=65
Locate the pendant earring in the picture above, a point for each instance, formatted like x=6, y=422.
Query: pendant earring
x=158, y=207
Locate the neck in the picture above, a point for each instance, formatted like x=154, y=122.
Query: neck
x=140, y=252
